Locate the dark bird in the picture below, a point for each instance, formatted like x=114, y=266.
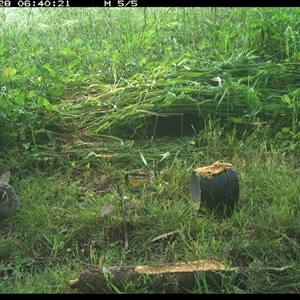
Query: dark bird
x=9, y=201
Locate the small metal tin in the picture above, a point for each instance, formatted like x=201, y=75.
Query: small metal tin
x=139, y=178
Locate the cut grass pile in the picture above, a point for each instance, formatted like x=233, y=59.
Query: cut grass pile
x=108, y=71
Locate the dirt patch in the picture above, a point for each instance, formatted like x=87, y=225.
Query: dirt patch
x=210, y=171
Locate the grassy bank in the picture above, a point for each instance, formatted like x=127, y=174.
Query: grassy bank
x=83, y=92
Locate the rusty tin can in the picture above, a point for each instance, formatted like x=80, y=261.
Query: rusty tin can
x=138, y=179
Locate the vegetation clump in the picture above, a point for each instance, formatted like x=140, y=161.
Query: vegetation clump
x=90, y=94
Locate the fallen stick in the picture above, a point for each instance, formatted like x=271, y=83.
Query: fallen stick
x=168, y=278
x=164, y=235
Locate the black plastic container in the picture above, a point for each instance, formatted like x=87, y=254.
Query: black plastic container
x=218, y=194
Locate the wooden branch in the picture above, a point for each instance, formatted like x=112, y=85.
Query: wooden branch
x=168, y=278
x=162, y=236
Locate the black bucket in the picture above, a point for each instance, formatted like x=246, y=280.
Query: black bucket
x=218, y=193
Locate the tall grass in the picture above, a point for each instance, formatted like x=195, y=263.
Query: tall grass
x=80, y=86
x=130, y=66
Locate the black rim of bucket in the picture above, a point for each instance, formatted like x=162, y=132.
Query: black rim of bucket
x=218, y=194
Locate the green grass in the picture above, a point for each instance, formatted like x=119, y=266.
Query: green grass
x=96, y=70
x=59, y=230
x=82, y=94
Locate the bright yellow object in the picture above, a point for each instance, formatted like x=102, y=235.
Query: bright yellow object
x=138, y=178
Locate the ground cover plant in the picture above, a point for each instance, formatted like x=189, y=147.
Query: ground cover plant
x=88, y=94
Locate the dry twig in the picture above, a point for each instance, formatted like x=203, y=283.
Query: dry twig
x=164, y=235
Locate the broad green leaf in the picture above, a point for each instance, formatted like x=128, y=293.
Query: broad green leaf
x=286, y=99
x=48, y=68
x=56, y=93
x=50, y=135
x=143, y=61
x=30, y=94
x=9, y=73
